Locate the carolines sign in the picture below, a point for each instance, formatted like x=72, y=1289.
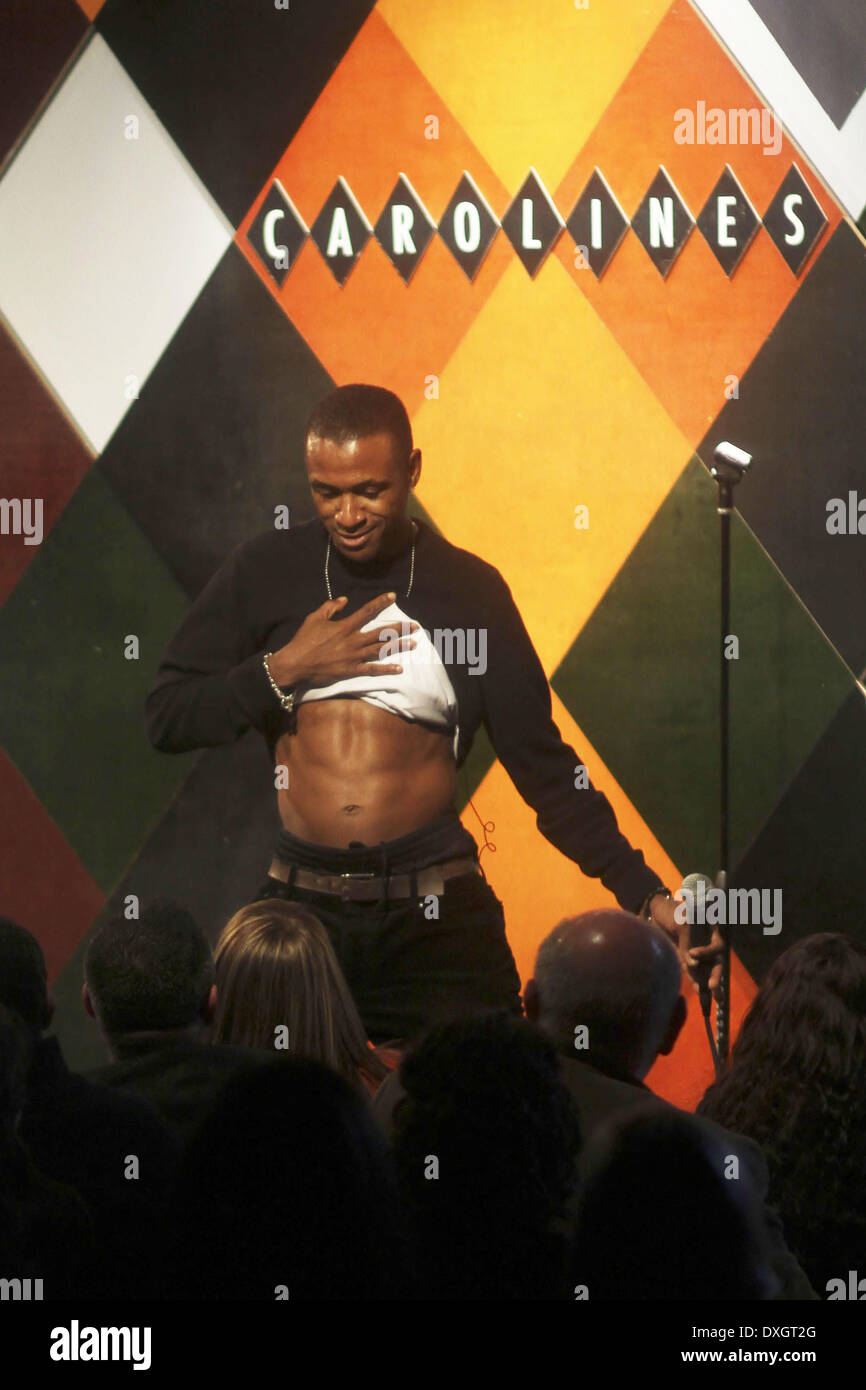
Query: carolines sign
x=533, y=224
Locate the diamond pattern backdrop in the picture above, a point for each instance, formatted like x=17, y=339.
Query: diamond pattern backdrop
x=211, y=214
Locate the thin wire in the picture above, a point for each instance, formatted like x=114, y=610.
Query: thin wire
x=486, y=825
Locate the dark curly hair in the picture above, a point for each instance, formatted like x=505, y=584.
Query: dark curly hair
x=797, y=1085
x=485, y=1098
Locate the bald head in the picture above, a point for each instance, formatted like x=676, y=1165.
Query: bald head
x=618, y=977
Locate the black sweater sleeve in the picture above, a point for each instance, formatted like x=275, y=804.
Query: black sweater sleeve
x=211, y=685
x=579, y=821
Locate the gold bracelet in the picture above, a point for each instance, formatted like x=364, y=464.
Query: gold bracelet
x=287, y=701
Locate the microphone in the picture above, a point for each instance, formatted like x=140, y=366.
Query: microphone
x=730, y=464
x=700, y=932
x=730, y=454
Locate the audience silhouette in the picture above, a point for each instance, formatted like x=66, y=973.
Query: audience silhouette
x=797, y=1086
x=247, y=1137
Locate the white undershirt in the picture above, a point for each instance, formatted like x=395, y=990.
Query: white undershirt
x=420, y=692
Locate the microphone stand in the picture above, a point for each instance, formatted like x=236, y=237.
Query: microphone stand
x=728, y=468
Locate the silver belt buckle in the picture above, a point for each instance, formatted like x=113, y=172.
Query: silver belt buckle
x=348, y=879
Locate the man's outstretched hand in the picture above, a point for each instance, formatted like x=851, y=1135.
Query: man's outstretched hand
x=663, y=911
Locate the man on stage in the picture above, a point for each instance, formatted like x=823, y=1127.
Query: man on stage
x=368, y=650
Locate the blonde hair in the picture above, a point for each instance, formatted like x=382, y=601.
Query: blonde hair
x=275, y=967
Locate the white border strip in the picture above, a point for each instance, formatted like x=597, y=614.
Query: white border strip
x=836, y=154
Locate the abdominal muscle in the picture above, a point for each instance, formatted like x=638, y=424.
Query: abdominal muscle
x=357, y=772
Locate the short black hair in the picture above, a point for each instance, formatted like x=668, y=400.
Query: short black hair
x=357, y=411
x=22, y=974
x=150, y=973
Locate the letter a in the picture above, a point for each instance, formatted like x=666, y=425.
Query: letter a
x=684, y=134
x=838, y=515
x=59, y=1349
x=339, y=240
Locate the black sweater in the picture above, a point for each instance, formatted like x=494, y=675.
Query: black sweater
x=212, y=685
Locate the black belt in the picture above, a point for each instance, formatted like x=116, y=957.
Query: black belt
x=370, y=888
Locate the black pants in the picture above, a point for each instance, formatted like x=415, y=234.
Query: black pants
x=406, y=967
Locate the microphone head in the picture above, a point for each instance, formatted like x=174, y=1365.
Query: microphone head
x=699, y=929
x=728, y=454
x=690, y=883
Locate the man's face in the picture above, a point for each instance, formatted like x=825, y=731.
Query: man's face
x=360, y=489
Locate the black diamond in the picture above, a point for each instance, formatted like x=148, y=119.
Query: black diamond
x=805, y=219
x=598, y=224
x=662, y=223
x=404, y=228
x=728, y=222
x=341, y=231
x=277, y=233
x=532, y=223
x=468, y=226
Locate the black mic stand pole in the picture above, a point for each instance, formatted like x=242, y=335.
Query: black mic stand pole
x=728, y=468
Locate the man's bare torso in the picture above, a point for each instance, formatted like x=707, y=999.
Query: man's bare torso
x=357, y=772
